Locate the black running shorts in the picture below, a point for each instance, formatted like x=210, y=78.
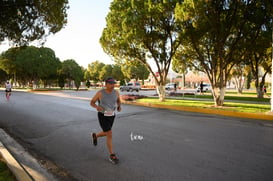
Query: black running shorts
x=106, y=122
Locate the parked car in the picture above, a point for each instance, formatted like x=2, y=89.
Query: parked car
x=170, y=86
x=131, y=86
x=206, y=88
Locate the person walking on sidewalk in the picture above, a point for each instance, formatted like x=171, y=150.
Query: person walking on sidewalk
x=201, y=88
x=108, y=100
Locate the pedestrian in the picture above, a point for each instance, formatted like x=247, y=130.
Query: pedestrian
x=106, y=101
x=201, y=88
x=174, y=87
x=264, y=89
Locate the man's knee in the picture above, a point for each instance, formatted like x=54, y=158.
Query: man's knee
x=109, y=133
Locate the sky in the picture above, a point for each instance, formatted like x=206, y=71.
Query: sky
x=79, y=39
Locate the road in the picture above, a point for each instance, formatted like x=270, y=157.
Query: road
x=152, y=144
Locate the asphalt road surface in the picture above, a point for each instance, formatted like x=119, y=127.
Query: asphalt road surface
x=152, y=144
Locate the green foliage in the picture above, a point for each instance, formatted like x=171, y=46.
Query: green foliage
x=7, y=60
x=29, y=64
x=248, y=80
x=49, y=64
x=122, y=82
x=98, y=71
x=3, y=75
x=106, y=72
x=94, y=69
x=218, y=33
x=5, y=173
x=71, y=71
x=117, y=72
x=239, y=72
x=141, y=31
x=135, y=70
x=24, y=21
x=231, y=106
x=259, y=59
x=61, y=81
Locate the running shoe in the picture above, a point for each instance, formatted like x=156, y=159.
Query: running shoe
x=95, y=140
x=114, y=159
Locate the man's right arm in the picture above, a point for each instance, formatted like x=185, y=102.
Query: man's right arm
x=94, y=100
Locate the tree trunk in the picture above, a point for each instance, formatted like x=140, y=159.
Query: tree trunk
x=218, y=96
x=260, y=93
x=183, y=80
x=259, y=88
x=239, y=83
x=161, y=92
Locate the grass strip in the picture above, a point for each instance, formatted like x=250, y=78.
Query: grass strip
x=5, y=173
x=232, y=97
x=230, y=106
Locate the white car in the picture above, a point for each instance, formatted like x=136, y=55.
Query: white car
x=206, y=88
x=131, y=86
x=170, y=86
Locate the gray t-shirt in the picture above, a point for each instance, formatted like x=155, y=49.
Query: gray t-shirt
x=108, y=100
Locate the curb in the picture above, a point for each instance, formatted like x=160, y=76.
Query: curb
x=17, y=170
x=267, y=117
x=20, y=162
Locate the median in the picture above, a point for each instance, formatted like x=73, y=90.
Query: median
x=245, y=108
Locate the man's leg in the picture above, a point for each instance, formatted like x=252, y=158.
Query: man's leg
x=109, y=141
x=113, y=158
x=101, y=134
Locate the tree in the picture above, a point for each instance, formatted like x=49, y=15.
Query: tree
x=94, y=69
x=28, y=20
x=86, y=77
x=143, y=31
x=105, y=72
x=249, y=80
x=135, y=70
x=22, y=62
x=7, y=61
x=217, y=33
x=258, y=49
x=3, y=76
x=27, y=64
x=117, y=72
x=78, y=77
x=239, y=74
x=180, y=64
x=260, y=63
x=61, y=79
x=48, y=66
x=71, y=71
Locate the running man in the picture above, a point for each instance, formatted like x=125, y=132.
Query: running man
x=8, y=89
x=108, y=100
